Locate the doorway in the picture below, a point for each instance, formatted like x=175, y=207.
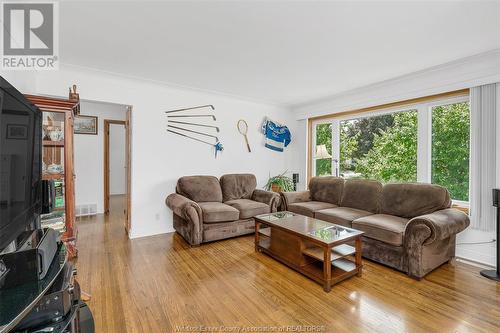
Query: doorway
x=117, y=168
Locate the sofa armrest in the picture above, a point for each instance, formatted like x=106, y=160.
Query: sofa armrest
x=439, y=225
x=189, y=211
x=433, y=232
x=181, y=205
x=293, y=197
x=269, y=198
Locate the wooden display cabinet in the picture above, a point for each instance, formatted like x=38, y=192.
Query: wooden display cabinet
x=58, y=161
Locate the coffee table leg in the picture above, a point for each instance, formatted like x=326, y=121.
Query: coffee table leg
x=257, y=228
x=327, y=269
x=359, y=264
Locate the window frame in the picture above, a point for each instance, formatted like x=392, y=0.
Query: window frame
x=423, y=108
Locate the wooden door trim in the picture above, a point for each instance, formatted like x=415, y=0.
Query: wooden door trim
x=107, y=123
x=128, y=163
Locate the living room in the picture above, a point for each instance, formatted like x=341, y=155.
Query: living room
x=263, y=140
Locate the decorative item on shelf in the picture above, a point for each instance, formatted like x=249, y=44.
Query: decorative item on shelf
x=59, y=197
x=243, y=129
x=56, y=134
x=85, y=125
x=278, y=136
x=280, y=183
x=55, y=169
x=74, y=97
x=217, y=145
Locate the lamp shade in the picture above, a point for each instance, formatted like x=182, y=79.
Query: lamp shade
x=322, y=152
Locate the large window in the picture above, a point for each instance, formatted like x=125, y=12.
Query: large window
x=450, y=148
x=323, y=145
x=380, y=147
x=424, y=142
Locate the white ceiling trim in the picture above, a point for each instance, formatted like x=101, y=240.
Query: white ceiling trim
x=172, y=85
x=468, y=72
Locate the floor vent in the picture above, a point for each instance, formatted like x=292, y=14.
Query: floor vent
x=86, y=210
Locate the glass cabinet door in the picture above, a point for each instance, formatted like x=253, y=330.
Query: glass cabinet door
x=53, y=168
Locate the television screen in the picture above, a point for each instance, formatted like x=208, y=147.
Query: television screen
x=20, y=163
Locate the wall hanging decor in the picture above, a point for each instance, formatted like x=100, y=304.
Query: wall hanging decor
x=85, y=125
x=196, y=132
x=174, y=126
x=243, y=129
x=217, y=146
x=194, y=124
x=192, y=108
x=278, y=136
x=194, y=116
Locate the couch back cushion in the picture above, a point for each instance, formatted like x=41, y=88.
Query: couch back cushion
x=237, y=186
x=326, y=189
x=411, y=199
x=362, y=194
x=200, y=188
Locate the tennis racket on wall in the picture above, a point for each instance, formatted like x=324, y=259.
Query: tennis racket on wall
x=243, y=129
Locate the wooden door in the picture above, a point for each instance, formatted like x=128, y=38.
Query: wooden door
x=107, y=123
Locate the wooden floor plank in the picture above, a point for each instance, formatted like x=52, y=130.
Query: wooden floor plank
x=160, y=284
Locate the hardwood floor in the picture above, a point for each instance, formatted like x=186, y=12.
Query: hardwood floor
x=159, y=284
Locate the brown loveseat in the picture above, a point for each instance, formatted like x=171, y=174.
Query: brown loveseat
x=206, y=209
x=408, y=226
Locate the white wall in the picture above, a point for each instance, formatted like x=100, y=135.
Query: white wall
x=159, y=158
x=89, y=154
x=117, y=171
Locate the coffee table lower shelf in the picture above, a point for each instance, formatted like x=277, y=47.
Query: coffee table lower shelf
x=313, y=264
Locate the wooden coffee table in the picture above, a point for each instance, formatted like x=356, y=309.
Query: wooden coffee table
x=312, y=247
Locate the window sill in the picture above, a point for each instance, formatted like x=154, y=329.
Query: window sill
x=462, y=206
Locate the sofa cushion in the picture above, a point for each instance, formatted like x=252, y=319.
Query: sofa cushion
x=200, y=188
x=237, y=186
x=362, y=194
x=214, y=212
x=309, y=207
x=412, y=199
x=385, y=228
x=326, y=189
x=341, y=215
x=249, y=208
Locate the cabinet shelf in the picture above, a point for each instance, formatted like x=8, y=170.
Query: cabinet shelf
x=50, y=176
x=49, y=143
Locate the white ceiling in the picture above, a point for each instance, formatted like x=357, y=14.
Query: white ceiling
x=281, y=52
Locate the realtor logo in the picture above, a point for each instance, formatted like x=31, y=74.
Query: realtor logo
x=29, y=36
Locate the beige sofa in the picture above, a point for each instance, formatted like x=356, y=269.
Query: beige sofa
x=408, y=226
x=207, y=209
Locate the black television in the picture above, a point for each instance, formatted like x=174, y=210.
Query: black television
x=20, y=163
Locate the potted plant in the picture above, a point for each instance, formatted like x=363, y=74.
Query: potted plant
x=280, y=183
